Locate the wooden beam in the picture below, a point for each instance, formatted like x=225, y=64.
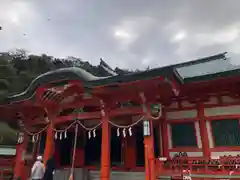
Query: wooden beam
x=81, y=116
x=126, y=111
x=97, y=115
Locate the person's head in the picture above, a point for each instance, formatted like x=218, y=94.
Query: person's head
x=39, y=158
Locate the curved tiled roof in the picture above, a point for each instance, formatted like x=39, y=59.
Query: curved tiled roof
x=182, y=73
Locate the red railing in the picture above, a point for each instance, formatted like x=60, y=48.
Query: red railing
x=224, y=167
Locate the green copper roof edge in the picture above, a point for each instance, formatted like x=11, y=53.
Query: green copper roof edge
x=90, y=81
x=231, y=73
x=202, y=60
x=87, y=79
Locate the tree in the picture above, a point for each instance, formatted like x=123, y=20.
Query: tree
x=18, y=69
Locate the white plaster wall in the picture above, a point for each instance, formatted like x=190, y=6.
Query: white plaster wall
x=212, y=100
x=218, y=111
x=210, y=138
x=169, y=131
x=181, y=114
x=190, y=154
x=185, y=103
x=7, y=151
x=198, y=135
x=228, y=99
x=227, y=153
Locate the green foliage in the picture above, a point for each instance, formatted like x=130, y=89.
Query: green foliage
x=18, y=69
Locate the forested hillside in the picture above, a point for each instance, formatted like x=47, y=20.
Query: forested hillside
x=18, y=69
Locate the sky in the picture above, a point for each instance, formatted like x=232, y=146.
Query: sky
x=125, y=33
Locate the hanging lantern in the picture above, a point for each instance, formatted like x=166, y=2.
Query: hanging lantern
x=124, y=132
x=56, y=135
x=156, y=110
x=94, y=133
x=118, y=133
x=65, y=135
x=130, y=131
x=89, y=134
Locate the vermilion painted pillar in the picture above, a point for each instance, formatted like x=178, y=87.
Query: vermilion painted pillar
x=164, y=134
x=149, y=154
x=105, y=151
x=49, y=147
x=203, y=131
x=19, y=169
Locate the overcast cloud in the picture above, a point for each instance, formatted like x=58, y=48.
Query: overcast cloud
x=126, y=33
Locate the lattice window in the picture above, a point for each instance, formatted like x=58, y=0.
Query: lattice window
x=226, y=132
x=183, y=135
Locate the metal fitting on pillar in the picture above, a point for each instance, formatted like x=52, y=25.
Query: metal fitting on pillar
x=102, y=108
x=144, y=100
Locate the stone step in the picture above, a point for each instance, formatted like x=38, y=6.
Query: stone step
x=117, y=175
x=63, y=174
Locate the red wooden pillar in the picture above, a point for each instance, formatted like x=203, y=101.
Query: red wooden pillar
x=203, y=131
x=160, y=138
x=164, y=134
x=149, y=154
x=19, y=169
x=105, y=151
x=49, y=147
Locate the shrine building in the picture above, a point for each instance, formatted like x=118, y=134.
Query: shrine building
x=143, y=125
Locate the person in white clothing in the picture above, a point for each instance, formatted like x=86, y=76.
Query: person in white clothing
x=38, y=169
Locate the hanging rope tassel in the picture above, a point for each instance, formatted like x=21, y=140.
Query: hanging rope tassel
x=118, y=133
x=56, y=135
x=130, y=131
x=94, y=133
x=89, y=134
x=74, y=152
x=36, y=137
x=60, y=137
x=33, y=138
x=124, y=132
x=65, y=135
